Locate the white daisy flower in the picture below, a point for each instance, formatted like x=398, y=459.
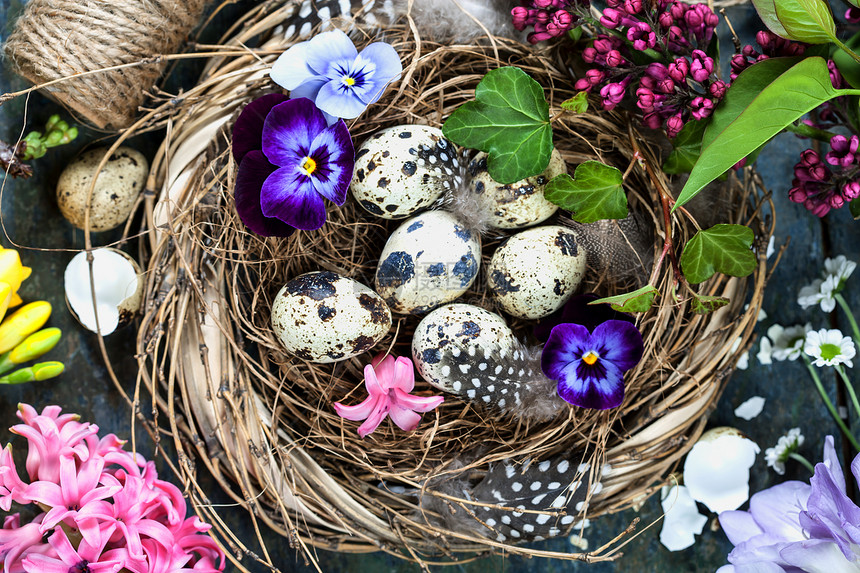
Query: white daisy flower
x=820, y=292
x=785, y=446
x=829, y=347
x=788, y=342
x=840, y=268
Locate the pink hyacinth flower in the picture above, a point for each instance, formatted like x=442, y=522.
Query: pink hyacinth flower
x=389, y=383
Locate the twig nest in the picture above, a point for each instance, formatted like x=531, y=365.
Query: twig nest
x=517, y=205
x=429, y=260
x=403, y=169
x=324, y=317
x=116, y=190
x=533, y=273
x=717, y=469
x=459, y=330
x=118, y=285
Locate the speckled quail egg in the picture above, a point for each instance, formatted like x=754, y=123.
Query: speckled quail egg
x=428, y=260
x=118, y=185
x=324, y=317
x=533, y=273
x=516, y=205
x=457, y=329
x=401, y=170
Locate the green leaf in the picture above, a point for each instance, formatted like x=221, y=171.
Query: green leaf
x=848, y=67
x=767, y=12
x=687, y=146
x=575, y=34
x=854, y=207
x=639, y=300
x=807, y=21
x=595, y=192
x=803, y=87
x=722, y=248
x=703, y=304
x=509, y=119
x=576, y=104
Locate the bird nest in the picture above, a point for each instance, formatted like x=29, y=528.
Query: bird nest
x=261, y=421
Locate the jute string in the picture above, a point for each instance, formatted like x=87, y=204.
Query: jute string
x=58, y=38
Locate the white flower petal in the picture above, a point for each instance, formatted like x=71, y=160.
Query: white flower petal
x=765, y=351
x=716, y=470
x=682, y=520
x=750, y=408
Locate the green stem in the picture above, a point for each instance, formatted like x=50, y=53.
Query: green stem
x=850, y=388
x=803, y=461
x=830, y=406
x=809, y=131
x=842, y=302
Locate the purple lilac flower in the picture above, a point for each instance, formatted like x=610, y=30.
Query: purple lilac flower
x=852, y=15
x=843, y=151
x=795, y=526
x=821, y=188
x=297, y=161
x=590, y=366
x=328, y=70
x=550, y=18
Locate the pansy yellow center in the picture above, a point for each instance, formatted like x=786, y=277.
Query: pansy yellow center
x=350, y=81
x=309, y=165
x=590, y=357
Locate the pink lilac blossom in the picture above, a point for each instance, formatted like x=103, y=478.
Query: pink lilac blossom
x=104, y=509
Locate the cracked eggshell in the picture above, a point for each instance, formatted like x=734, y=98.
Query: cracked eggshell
x=324, y=317
x=429, y=260
x=463, y=326
x=118, y=289
x=533, y=273
x=118, y=185
x=401, y=170
x=517, y=205
x=717, y=469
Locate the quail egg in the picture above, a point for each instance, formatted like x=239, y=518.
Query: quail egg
x=456, y=329
x=324, y=317
x=533, y=273
x=516, y=205
x=401, y=170
x=428, y=260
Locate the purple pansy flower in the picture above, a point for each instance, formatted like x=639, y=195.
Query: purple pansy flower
x=329, y=70
x=589, y=367
x=289, y=160
x=794, y=526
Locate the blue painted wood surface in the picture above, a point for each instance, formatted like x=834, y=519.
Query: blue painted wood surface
x=30, y=220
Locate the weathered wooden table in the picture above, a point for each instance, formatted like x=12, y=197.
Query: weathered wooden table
x=31, y=222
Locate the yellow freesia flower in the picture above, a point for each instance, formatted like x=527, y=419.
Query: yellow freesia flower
x=13, y=273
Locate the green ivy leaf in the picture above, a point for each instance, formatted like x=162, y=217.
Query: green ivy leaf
x=803, y=87
x=640, y=300
x=686, y=148
x=807, y=21
x=722, y=248
x=509, y=119
x=595, y=192
x=703, y=304
x=576, y=104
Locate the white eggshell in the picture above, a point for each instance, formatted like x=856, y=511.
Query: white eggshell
x=429, y=260
x=516, y=205
x=324, y=317
x=533, y=273
x=401, y=170
x=116, y=190
x=463, y=326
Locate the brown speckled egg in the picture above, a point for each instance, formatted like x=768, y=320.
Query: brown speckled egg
x=119, y=183
x=403, y=169
x=517, y=205
x=533, y=273
x=324, y=317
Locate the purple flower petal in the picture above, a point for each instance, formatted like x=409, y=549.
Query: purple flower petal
x=291, y=68
x=248, y=129
x=388, y=66
x=253, y=171
x=621, y=342
x=600, y=386
x=335, y=156
x=339, y=100
x=563, y=348
x=290, y=196
x=831, y=460
x=829, y=512
x=739, y=526
x=310, y=88
x=777, y=509
x=816, y=556
x=330, y=53
x=289, y=130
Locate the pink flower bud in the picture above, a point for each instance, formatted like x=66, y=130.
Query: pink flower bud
x=718, y=89
x=614, y=59
x=612, y=94
x=611, y=18
x=679, y=69
x=674, y=125
x=641, y=36
x=851, y=190
x=701, y=107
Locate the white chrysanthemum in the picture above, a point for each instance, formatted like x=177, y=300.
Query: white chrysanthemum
x=820, y=292
x=840, y=268
x=788, y=342
x=829, y=347
x=785, y=446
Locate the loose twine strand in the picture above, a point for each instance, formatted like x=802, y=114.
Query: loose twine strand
x=59, y=38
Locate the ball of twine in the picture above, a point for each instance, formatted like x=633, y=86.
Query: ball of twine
x=55, y=39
